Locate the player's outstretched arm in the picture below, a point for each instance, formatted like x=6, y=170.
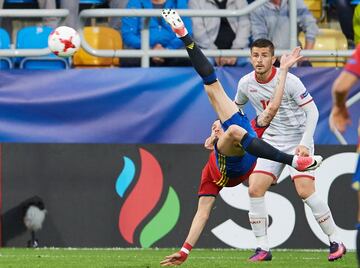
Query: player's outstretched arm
x=339, y=117
x=271, y=109
x=203, y=212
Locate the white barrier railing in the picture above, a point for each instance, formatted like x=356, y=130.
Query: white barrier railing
x=30, y=13
x=145, y=53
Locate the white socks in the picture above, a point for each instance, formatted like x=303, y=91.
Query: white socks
x=259, y=221
x=323, y=216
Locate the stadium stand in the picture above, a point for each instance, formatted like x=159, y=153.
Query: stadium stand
x=5, y=63
x=316, y=8
x=101, y=37
x=36, y=37
x=356, y=25
x=83, y=59
x=19, y=1
x=93, y=2
x=328, y=39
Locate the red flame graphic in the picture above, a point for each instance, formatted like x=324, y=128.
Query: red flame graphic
x=144, y=197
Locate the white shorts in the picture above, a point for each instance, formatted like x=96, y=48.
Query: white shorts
x=274, y=169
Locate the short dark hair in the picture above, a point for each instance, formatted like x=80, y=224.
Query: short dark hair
x=262, y=42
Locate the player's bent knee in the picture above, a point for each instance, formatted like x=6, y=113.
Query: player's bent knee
x=236, y=132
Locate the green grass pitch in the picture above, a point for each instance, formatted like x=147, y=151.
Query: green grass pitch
x=136, y=258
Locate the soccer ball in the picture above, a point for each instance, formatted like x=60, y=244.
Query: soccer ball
x=64, y=41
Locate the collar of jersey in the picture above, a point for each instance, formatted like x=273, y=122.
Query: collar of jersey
x=273, y=72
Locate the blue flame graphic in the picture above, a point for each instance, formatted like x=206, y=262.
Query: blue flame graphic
x=126, y=176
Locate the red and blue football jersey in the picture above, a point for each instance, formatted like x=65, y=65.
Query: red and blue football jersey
x=353, y=64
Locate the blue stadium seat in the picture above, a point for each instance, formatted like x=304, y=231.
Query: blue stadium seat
x=19, y=1
x=5, y=63
x=92, y=2
x=37, y=37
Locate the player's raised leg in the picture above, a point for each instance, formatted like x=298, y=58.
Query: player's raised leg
x=222, y=104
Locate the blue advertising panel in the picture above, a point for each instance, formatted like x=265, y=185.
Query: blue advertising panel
x=132, y=105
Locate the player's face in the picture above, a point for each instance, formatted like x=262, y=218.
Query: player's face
x=261, y=59
x=216, y=129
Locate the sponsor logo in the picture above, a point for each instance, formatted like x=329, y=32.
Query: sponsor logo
x=142, y=197
x=324, y=219
x=191, y=46
x=283, y=220
x=351, y=61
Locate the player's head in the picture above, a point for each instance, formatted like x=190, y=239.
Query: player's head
x=216, y=132
x=262, y=55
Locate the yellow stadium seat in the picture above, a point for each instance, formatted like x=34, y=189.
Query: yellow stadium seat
x=315, y=7
x=328, y=39
x=356, y=24
x=99, y=38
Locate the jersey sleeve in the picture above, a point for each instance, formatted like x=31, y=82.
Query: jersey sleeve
x=258, y=130
x=353, y=64
x=241, y=98
x=298, y=91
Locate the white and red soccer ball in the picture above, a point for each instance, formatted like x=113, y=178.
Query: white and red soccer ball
x=64, y=41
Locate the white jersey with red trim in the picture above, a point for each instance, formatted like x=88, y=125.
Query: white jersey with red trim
x=289, y=122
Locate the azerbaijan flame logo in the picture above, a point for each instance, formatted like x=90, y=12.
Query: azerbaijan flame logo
x=143, y=199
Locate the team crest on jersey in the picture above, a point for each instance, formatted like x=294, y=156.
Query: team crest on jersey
x=303, y=96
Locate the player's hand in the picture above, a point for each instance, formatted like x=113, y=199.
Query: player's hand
x=218, y=61
x=158, y=59
x=174, y=259
x=209, y=143
x=228, y=61
x=339, y=118
x=287, y=61
x=302, y=150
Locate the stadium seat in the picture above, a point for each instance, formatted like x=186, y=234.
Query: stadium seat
x=5, y=63
x=99, y=38
x=356, y=24
x=92, y=2
x=36, y=37
x=19, y=1
x=328, y=39
x=316, y=8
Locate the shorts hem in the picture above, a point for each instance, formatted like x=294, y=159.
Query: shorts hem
x=303, y=176
x=214, y=195
x=266, y=173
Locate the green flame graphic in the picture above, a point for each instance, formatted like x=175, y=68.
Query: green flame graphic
x=163, y=222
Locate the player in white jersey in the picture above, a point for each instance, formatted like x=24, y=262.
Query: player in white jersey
x=289, y=123
x=291, y=131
